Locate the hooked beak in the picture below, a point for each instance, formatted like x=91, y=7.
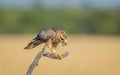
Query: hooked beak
x=64, y=43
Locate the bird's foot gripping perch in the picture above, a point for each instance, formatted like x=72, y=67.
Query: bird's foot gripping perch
x=59, y=57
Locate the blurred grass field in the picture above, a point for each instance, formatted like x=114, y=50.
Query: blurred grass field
x=89, y=55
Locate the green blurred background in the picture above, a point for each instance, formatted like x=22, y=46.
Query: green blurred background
x=30, y=16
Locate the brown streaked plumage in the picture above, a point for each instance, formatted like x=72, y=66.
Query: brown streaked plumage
x=51, y=37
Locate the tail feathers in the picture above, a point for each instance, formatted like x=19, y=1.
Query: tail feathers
x=33, y=44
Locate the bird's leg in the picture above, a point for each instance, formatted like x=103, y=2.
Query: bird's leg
x=55, y=53
x=52, y=49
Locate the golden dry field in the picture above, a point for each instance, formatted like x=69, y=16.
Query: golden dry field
x=89, y=55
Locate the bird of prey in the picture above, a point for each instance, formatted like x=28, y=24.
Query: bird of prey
x=51, y=37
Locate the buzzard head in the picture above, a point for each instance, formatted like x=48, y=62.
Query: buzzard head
x=64, y=38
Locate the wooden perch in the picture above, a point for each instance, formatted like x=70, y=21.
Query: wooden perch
x=39, y=55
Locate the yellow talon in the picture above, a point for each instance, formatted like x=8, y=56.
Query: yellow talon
x=55, y=53
x=59, y=57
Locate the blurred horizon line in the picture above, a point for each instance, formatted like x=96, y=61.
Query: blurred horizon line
x=60, y=3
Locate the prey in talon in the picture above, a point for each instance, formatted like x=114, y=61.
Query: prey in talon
x=51, y=37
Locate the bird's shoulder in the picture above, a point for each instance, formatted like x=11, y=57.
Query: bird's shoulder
x=46, y=34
